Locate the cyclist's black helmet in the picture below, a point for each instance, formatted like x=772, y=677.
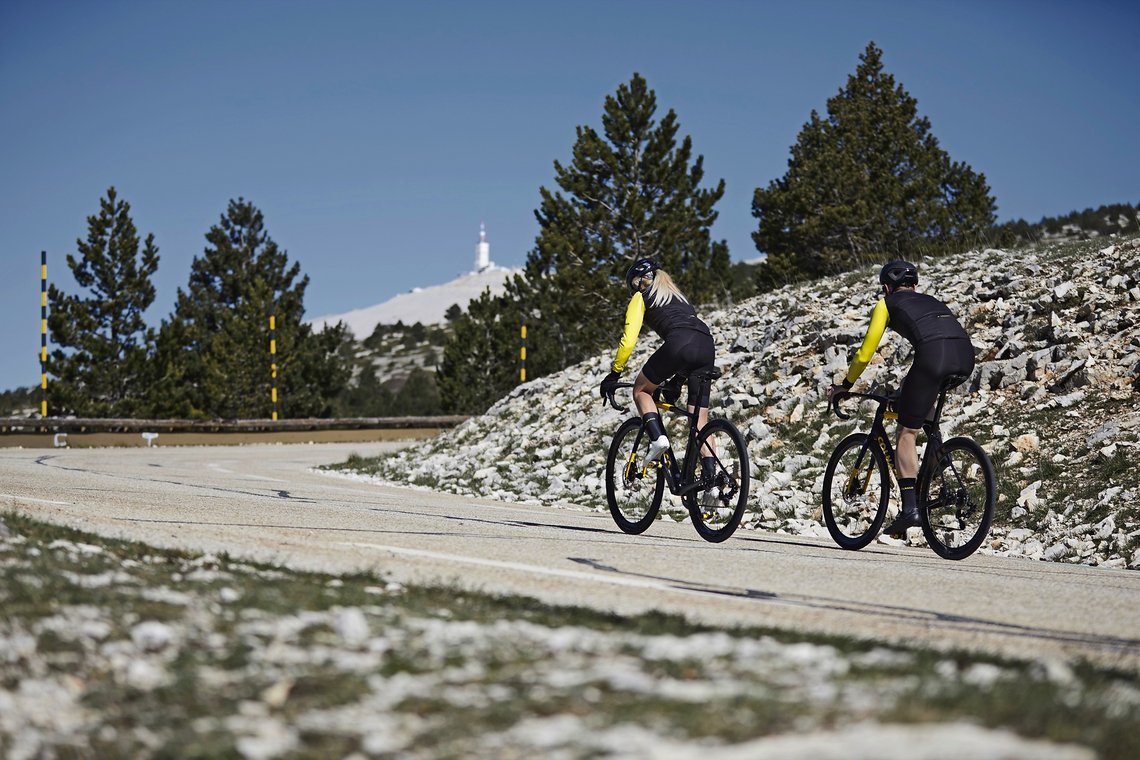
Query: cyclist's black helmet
x=640, y=268
x=899, y=274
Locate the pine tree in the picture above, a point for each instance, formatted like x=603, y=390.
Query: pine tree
x=419, y=396
x=366, y=397
x=867, y=183
x=479, y=363
x=100, y=365
x=630, y=192
x=214, y=350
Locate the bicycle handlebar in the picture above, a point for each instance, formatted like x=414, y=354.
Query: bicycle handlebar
x=610, y=396
x=840, y=396
x=676, y=381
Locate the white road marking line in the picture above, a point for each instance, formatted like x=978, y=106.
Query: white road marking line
x=573, y=574
x=248, y=476
x=36, y=501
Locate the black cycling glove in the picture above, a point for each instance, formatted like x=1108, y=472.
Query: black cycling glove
x=609, y=384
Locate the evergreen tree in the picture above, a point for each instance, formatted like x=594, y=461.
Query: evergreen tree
x=866, y=183
x=366, y=397
x=630, y=192
x=479, y=363
x=213, y=353
x=20, y=402
x=419, y=396
x=100, y=367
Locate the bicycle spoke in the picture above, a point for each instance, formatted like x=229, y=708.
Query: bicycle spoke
x=634, y=488
x=958, y=500
x=718, y=504
x=855, y=492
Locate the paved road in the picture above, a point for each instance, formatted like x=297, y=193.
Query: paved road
x=264, y=502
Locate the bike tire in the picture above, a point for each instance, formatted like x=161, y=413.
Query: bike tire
x=855, y=517
x=633, y=490
x=957, y=498
x=718, y=506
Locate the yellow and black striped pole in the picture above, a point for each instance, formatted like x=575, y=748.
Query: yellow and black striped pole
x=522, y=356
x=273, y=361
x=43, y=333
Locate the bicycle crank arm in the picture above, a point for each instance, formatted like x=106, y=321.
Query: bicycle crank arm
x=686, y=490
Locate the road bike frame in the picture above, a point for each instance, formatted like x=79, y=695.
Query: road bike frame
x=712, y=482
x=955, y=516
x=878, y=433
x=673, y=472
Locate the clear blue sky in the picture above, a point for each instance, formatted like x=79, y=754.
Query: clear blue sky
x=376, y=136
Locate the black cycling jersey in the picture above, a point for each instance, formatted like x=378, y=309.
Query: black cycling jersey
x=941, y=349
x=920, y=318
x=673, y=316
x=688, y=343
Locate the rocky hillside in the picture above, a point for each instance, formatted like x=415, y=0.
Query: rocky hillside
x=1055, y=398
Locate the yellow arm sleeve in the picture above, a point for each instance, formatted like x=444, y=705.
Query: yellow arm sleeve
x=634, y=314
x=879, y=318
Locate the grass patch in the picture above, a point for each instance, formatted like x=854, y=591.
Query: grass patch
x=439, y=660
x=1052, y=711
x=355, y=463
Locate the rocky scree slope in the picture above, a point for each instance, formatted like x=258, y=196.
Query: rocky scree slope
x=1055, y=399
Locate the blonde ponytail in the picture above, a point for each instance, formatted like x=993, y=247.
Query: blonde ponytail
x=663, y=290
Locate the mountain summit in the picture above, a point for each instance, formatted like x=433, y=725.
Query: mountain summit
x=427, y=305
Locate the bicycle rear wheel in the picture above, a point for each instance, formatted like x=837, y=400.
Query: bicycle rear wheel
x=634, y=489
x=957, y=499
x=718, y=505
x=856, y=489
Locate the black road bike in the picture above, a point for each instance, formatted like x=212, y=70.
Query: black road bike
x=715, y=497
x=956, y=489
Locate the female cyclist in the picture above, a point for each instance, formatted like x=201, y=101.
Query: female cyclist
x=688, y=346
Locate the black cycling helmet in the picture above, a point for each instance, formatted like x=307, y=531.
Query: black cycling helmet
x=639, y=269
x=899, y=274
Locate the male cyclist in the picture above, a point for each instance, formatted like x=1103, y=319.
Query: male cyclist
x=941, y=349
x=688, y=346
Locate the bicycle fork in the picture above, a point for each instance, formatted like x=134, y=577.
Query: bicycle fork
x=853, y=487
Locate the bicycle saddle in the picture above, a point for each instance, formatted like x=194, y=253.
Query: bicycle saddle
x=706, y=373
x=953, y=381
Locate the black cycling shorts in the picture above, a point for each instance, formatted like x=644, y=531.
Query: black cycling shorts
x=933, y=363
x=683, y=352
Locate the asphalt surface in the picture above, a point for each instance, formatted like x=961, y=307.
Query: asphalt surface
x=265, y=502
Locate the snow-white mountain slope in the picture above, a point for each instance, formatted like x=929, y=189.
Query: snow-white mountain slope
x=426, y=305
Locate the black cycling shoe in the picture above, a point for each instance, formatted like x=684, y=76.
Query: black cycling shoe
x=905, y=519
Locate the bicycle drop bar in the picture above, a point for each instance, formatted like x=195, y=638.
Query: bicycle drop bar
x=613, y=401
x=839, y=397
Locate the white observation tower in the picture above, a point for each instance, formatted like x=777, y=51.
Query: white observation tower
x=482, y=250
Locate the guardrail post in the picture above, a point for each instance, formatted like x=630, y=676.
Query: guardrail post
x=273, y=361
x=522, y=355
x=43, y=333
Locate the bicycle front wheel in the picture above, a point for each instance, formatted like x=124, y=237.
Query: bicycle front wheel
x=957, y=498
x=856, y=489
x=718, y=505
x=634, y=489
